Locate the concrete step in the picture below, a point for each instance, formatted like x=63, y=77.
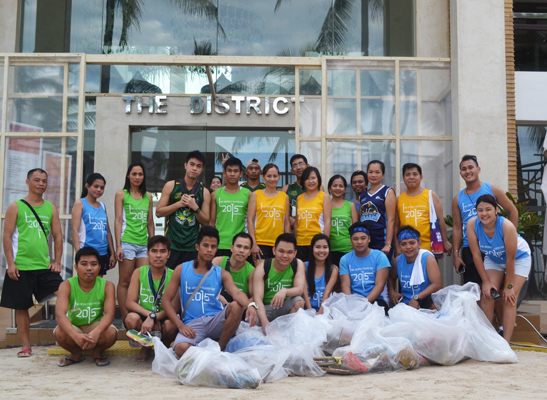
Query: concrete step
x=536, y=307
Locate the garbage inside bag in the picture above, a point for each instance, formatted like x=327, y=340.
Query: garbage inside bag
x=164, y=359
x=300, y=328
x=300, y=362
x=246, y=337
x=267, y=359
x=206, y=365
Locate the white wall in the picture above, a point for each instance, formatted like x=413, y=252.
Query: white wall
x=531, y=97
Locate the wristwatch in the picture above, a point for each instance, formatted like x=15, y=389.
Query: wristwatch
x=153, y=316
x=252, y=304
x=509, y=286
x=415, y=297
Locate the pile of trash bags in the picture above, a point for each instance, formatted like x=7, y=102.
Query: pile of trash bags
x=352, y=336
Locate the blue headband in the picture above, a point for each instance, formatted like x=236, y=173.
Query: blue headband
x=360, y=229
x=408, y=234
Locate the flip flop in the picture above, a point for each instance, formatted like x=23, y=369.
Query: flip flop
x=97, y=359
x=143, y=340
x=71, y=362
x=24, y=353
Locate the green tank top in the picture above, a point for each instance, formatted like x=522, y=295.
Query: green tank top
x=29, y=244
x=85, y=308
x=260, y=186
x=182, y=227
x=146, y=297
x=293, y=191
x=276, y=282
x=135, y=219
x=231, y=214
x=339, y=233
x=241, y=277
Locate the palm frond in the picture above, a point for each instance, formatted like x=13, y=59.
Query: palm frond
x=201, y=8
x=131, y=15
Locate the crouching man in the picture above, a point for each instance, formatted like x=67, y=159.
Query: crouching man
x=146, y=289
x=279, y=282
x=85, y=311
x=199, y=283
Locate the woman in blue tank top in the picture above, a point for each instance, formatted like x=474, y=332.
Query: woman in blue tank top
x=321, y=274
x=377, y=206
x=507, y=260
x=90, y=223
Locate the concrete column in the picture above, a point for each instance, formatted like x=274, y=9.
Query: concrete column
x=9, y=25
x=432, y=28
x=479, y=111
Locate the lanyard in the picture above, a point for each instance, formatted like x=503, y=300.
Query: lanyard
x=159, y=294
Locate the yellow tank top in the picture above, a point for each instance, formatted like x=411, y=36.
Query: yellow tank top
x=270, y=216
x=414, y=211
x=310, y=218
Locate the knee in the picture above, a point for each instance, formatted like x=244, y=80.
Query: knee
x=168, y=327
x=181, y=348
x=109, y=336
x=133, y=321
x=235, y=308
x=297, y=305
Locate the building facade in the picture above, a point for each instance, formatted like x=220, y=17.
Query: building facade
x=93, y=85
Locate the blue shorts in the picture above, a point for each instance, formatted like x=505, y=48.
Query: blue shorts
x=522, y=266
x=130, y=251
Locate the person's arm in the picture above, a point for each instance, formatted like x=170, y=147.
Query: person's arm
x=457, y=234
x=396, y=226
x=507, y=205
x=354, y=213
x=258, y=294
x=10, y=222
x=345, y=277
x=391, y=210
x=287, y=218
x=84, y=341
x=217, y=261
x=299, y=286
x=250, y=284
x=213, y=217
x=285, y=188
x=442, y=225
x=112, y=261
x=118, y=222
x=330, y=286
x=163, y=208
x=132, y=303
x=204, y=214
x=167, y=304
x=251, y=215
x=394, y=296
x=150, y=217
x=109, y=311
x=306, y=297
x=477, y=258
x=511, y=242
x=381, y=278
x=57, y=233
x=76, y=219
x=435, y=279
x=327, y=213
x=240, y=297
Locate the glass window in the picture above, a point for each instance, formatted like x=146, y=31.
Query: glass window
x=310, y=82
x=89, y=136
x=341, y=82
x=342, y=117
x=312, y=151
x=310, y=118
x=530, y=36
x=1, y=89
x=384, y=151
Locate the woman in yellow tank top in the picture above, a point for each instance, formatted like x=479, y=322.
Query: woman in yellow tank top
x=313, y=210
x=268, y=215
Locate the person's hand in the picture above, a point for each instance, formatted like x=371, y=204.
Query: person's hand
x=395, y=298
x=13, y=272
x=458, y=263
x=55, y=267
x=112, y=262
x=414, y=303
x=119, y=254
x=251, y=316
x=147, y=326
x=223, y=300
x=509, y=295
x=264, y=325
x=321, y=311
x=94, y=336
x=293, y=222
x=447, y=247
x=187, y=200
x=83, y=340
x=279, y=298
x=257, y=253
x=224, y=158
x=486, y=287
x=187, y=331
x=386, y=249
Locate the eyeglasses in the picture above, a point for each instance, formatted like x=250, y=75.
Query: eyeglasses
x=300, y=164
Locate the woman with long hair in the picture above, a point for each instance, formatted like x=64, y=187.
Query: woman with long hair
x=506, y=264
x=344, y=213
x=313, y=210
x=268, y=215
x=134, y=224
x=216, y=182
x=321, y=274
x=90, y=226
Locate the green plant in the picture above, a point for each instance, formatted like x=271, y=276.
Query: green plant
x=530, y=225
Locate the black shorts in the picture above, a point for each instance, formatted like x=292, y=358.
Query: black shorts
x=471, y=274
x=178, y=257
x=104, y=262
x=426, y=303
x=224, y=252
x=335, y=257
x=267, y=251
x=161, y=321
x=41, y=283
x=303, y=253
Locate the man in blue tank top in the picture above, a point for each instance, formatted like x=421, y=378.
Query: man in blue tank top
x=463, y=209
x=417, y=272
x=199, y=283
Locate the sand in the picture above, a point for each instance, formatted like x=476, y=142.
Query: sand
x=38, y=377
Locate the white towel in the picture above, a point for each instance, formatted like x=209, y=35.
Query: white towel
x=417, y=277
x=432, y=213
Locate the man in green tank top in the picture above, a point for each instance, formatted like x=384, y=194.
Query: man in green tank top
x=84, y=312
x=30, y=271
x=253, y=172
x=144, y=300
x=185, y=205
x=229, y=206
x=278, y=284
x=242, y=271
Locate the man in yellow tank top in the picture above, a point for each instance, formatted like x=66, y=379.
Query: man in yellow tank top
x=413, y=208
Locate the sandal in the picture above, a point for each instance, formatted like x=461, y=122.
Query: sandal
x=70, y=362
x=24, y=353
x=103, y=358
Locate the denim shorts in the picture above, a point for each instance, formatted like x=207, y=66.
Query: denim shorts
x=130, y=251
x=522, y=266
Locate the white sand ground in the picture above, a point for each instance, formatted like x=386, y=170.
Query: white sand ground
x=39, y=377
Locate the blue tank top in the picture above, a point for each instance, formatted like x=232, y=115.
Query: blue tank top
x=466, y=203
x=404, y=272
x=373, y=210
x=205, y=302
x=93, y=231
x=317, y=296
x=494, y=248
x=362, y=270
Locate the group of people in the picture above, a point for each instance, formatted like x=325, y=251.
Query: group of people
x=252, y=252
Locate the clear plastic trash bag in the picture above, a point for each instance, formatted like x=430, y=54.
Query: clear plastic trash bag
x=206, y=365
x=246, y=337
x=164, y=359
x=267, y=359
